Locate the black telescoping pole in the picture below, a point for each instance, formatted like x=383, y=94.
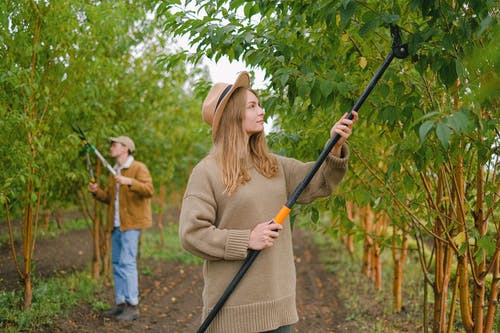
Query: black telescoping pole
x=398, y=51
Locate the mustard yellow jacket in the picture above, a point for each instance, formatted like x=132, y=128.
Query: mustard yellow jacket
x=135, y=199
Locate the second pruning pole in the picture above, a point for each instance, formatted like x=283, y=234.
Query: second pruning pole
x=398, y=51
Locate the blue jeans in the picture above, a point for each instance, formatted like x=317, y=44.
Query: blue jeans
x=123, y=257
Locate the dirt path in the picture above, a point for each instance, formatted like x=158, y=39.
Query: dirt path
x=171, y=292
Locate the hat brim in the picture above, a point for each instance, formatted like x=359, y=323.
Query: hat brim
x=242, y=81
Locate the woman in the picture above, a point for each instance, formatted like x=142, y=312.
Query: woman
x=232, y=195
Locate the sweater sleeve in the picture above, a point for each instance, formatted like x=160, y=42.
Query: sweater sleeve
x=324, y=182
x=197, y=230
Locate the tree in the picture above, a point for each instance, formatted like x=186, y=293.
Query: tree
x=91, y=64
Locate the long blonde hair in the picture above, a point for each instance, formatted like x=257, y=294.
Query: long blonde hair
x=234, y=150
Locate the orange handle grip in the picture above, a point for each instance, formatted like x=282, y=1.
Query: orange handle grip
x=282, y=214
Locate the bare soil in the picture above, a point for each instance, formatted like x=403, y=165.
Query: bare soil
x=171, y=292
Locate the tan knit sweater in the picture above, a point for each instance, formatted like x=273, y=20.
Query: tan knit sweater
x=216, y=227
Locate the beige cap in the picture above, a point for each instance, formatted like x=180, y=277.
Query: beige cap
x=126, y=141
x=217, y=98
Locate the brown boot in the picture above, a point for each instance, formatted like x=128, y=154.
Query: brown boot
x=117, y=310
x=131, y=312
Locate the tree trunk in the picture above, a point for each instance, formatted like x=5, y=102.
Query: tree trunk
x=353, y=216
x=399, y=254
x=483, y=323
x=28, y=240
x=463, y=259
x=443, y=265
x=96, y=242
x=367, y=224
x=107, y=271
x=28, y=246
x=161, y=213
x=380, y=226
x=493, y=300
x=444, y=257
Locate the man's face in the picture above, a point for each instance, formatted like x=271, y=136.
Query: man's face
x=117, y=149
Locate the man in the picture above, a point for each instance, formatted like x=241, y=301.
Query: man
x=128, y=196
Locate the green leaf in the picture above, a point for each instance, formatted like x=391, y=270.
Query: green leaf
x=250, y=9
x=346, y=12
x=487, y=244
x=448, y=73
x=424, y=129
x=326, y=87
x=368, y=27
x=314, y=215
x=458, y=121
x=282, y=76
x=316, y=95
x=459, y=239
x=342, y=88
x=303, y=87
x=460, y=69
x=443, y=133
x=425, y=116
x=390, y=18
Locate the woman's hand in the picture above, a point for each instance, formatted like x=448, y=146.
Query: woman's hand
x=343, y=127
x=264, y=235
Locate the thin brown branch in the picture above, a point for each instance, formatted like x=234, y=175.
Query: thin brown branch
x=11, y=239
x=421, y=256
x=37, y=211
x=414, y=218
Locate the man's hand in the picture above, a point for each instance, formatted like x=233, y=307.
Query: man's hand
x=122, y=180
x=93, y=187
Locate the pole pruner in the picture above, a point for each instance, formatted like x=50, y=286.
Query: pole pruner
x=398, y=50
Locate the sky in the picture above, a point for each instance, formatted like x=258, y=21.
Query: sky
x=223, y=70
x=226, y=71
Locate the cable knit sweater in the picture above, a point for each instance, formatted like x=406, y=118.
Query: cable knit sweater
x=216, y=227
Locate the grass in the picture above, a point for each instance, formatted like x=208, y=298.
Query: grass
x=51, y=298
x=372, y=309
x=168, y=248
x=56, y=297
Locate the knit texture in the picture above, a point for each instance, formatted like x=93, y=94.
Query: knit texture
x=216, y=227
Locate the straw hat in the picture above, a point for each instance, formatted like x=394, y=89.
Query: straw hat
x=217, y=98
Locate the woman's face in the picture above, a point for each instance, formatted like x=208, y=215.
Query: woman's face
x=254, y=115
